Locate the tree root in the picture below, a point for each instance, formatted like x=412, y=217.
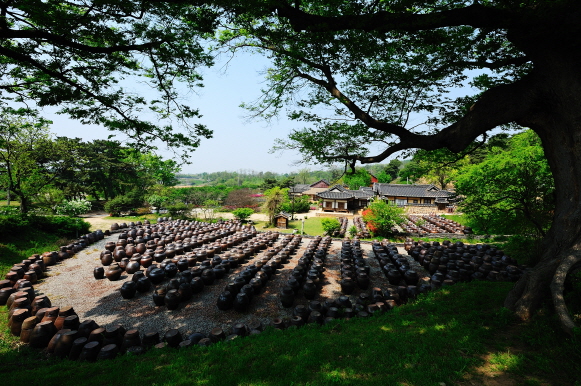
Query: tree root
x=557, y=287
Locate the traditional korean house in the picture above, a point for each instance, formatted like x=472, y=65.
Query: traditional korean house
x=310, y=190
x=336, y=199
x=420, y=195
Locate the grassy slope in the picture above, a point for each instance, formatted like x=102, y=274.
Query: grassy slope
x=420, y=344
x=15, y=248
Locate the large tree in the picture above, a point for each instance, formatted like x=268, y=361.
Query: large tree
x=83, y=56
x=30, y=160
x=378, y=67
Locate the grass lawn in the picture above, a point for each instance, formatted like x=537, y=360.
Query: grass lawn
x=15, y=248
x=312, y=226
x=460, y=219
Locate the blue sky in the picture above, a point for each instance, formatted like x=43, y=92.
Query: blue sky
x=238, y=144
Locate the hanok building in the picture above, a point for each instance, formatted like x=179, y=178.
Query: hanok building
x=340, y=199
x=311, y=190
x=413, y=195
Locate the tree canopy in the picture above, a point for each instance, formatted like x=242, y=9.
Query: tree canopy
x=83, y=57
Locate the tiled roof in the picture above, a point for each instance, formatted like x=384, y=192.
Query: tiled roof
x=409, y=190
x=335, y=195
x=314, y=191
x=299, y=188
x=283, y=214
x=319, y=182
x=365, y=194
x=338, y=187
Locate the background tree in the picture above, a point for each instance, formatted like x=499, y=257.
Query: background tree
x=30, y=159
x=242, y=213
x=390, y=172
x=330, y=225
x=360, y=177
x=274, y=199
x=76, y=56
x=511, y=191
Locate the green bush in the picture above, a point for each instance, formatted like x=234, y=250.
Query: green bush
x=179, y=210
x=330, y=225
x=73, y=207
x=242, y=213
x=61, y=226
x=125, y=203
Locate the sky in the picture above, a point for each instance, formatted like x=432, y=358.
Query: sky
x=238, y=144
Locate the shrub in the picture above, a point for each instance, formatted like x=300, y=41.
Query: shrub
x=125, y=203
x=353, y=231
x=242, y=213
x=381, y=217
x=62, y=226
x=330, y=225
x=179, y=210
x=73, y=207
x=301, y=205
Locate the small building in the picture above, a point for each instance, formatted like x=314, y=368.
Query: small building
x=281, y=220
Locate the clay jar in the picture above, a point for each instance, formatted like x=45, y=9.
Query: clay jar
x=132, y=267
x=99, y=272
x=347, y=285
x=42, y=334
x=143, y=284
x=156, y=275
x=128, y=289
x=63, y=314
x=241, y=302
x=310, y=290
x=159, y=296
x=287, y=297
x=114, y=272
x=172, y=299
x=197, y=284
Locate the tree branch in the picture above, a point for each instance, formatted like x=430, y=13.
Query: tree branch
x=475, y=15
x=496, y=106
x=63, y=42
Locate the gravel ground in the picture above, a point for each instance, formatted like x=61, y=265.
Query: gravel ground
x=71, y=283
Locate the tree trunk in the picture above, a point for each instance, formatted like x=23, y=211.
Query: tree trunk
x=555, y=115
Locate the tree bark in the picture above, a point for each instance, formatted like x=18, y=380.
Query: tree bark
x=555, y=115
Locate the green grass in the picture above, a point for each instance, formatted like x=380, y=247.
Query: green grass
x=460, y=219
x=152, y=217
x=424, y=343
x=18, y=247
x=313, y=226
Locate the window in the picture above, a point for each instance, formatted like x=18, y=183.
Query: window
x=400, y=201
x=427, y=200
x=415, y=201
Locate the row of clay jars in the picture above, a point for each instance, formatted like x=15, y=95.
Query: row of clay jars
x=114, y=271
x=239, y=292
x=270, y=263
x=119, y=253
